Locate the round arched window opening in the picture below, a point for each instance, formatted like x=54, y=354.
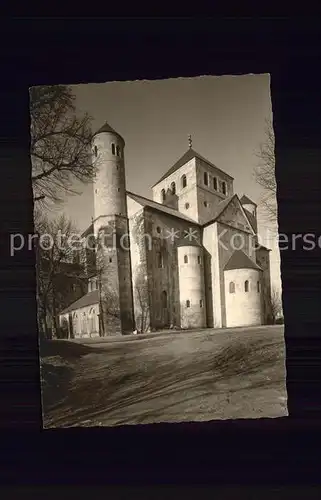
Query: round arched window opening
x=158, y=229
x=246, y=286
x=187, y=206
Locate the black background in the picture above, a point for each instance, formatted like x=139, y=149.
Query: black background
x=264, y=451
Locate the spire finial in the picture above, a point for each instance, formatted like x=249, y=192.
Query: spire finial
x=190, y=141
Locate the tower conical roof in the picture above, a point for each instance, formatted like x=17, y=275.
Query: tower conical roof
x=239, y=260
x=246, y=201
x=107, y=128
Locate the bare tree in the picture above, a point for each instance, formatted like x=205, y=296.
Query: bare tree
x=276, y=304
x=60, y=143
x=56, y=271
x=141, y=299
x=264, y=173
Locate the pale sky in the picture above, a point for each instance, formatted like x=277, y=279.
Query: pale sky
x=225, y=116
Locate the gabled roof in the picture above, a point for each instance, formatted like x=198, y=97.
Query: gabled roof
x=240, y=260
x=145, y=202
x=246, y=201
x=189, y=155
x=107, y=128
x=251, y=218
x=88, y=231
x=89, y=299
x=219, y=208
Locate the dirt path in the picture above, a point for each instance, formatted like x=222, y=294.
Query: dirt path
x=169, y=378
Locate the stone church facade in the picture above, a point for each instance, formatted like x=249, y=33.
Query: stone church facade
x=187, y=258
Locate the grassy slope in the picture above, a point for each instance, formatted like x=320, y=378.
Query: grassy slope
x=169, y=378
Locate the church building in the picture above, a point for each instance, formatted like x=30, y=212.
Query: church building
x=187, y=258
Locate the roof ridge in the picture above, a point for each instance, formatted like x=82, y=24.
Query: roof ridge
x=189, y=155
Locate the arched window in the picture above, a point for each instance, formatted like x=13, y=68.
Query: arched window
x=185, y=259
x=215, y=183
x=199, y=259
x=96, y=151
x=205, y=204
x=163, y=194
x=158, y=229
x=188, y=303
x=173, y=188
x=206, y=178
x=113, y=149
x=232, y=287
x=246, y=286
x=258, y=287
x=164, y=299
x=187, y=206
x=117, y=150
x=184, y=181
x=223, y=187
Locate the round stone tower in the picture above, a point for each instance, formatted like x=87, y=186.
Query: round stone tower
x=191, y=285
x=251, y=211
x=249, y=205
x=111, y=228
x=243, y=291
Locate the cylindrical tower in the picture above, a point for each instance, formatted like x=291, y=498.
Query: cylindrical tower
x=110, y=183
x=191, y=285
x=251, y=208
x=249, y=205
x=243, y=291
x=111, y=227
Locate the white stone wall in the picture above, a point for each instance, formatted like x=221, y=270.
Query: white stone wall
x=184, y=195
x=212, y=172
x=243, y=308
x=110, y=203
x=85, y=321
x=213, y=287
x=191, y=287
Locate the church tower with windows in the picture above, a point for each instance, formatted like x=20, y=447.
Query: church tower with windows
x=110, y=226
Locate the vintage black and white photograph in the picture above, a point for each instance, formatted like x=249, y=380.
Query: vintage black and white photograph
x=158, y=266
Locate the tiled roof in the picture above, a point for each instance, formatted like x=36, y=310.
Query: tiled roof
x=107, y=128
x=251, y=219
x=89, y=299
x=88, y=231
x=245, y=200
x=158, y=206
x=240, y=260
x=187, y=242
x=218, y=209
x=189, y=155
x=263, y=247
